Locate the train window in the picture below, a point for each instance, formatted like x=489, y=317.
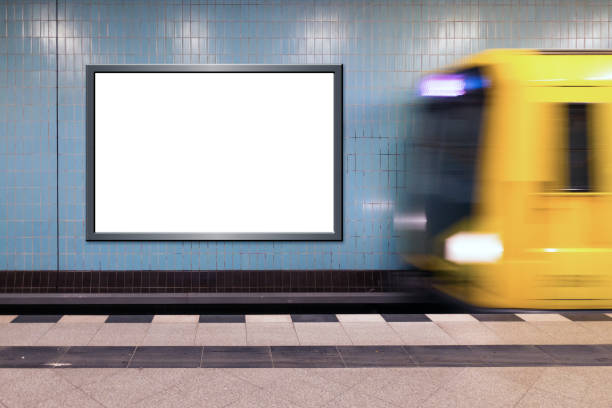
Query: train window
x=450, y=142
x=578, y=148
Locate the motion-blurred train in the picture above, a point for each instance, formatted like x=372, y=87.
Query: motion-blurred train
x=511, y=204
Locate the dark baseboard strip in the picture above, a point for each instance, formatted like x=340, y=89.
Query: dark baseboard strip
x=204, y=298
x=212, y=281
x=306, y=356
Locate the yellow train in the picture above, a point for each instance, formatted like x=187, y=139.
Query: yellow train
x=511, y=204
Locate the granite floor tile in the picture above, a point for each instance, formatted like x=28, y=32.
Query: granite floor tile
x=470, y=332
x=403, y=317
x=519, y=333
x=82, y=376
x=70, y=399
x=221, y=334
x=120, y=318
x=568, y=332
x=421, y=333
x=83, y=319
x=360, y=318
x=602, y=330
x=268, y=334
x=350, y=377
x=373, y=356
x=445, y=398
x=299, y=387
x=39, y=386
x=263, y=377
x=321, y=334
x=578, y=354
x=176, y=318
x=25, y=334
x=304, y=389
x=306, y=357
x=314, y=318
x=120, y=334
x=564, y=382
x=353, y=398
x=441, y=375
x=598, y=393
x=224, y=318
x=74, y=334
x=96, y=357
x=29, y=357
x=168, y=376
x=408, y=387
x=212, y=388
x=444, y=356
x=524, y=375
x=487, y=390
x=514, y=355
x=455, y=317
x=263, y=399
x=124, y=389
x=171, y=334
x=371, y=333
x=587, y=317
x=237, y=357
x=163, y=356
x=167, y=398
x=536, y=398
x=542, y=317
x=268, y=318
x=37, y=319
x=8, y=375
x=496, y=317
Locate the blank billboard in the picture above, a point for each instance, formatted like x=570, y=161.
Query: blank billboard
x=214, y=152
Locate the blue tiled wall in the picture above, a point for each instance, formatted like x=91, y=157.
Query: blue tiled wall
x=28, y=223
x=384, y=46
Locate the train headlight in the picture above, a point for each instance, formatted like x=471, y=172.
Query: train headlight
x=471, y=247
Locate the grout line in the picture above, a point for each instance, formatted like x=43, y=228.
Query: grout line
x=202, y=357
x=341, y=356
x=57, y=223
x=346, y=333
x=131, y=357
x=270, y=353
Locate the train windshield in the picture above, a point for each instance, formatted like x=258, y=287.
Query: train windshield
x=449, y=140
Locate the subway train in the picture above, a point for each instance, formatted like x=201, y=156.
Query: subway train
x=510, y=204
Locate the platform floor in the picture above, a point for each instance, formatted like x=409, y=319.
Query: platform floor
x=314, y=360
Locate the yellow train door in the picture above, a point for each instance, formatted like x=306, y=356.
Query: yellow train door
x=575, y=249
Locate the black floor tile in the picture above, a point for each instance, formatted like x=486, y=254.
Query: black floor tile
x=97, y=357
x=228, y=318
x=587, y=355
x=129, y=319
x=375, y=356
x=313, y=318
x=167, y=357
x=398, y=317
x=497, y=317
x=512, y=355
x=444, y=356
x=37, y=319
x=30, y=357
x=237, y=357
x=587, y=317
x=306, y=356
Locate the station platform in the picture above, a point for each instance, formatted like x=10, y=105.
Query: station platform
x=307, y=360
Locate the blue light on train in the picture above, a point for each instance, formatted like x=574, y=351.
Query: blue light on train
x=449, y=85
